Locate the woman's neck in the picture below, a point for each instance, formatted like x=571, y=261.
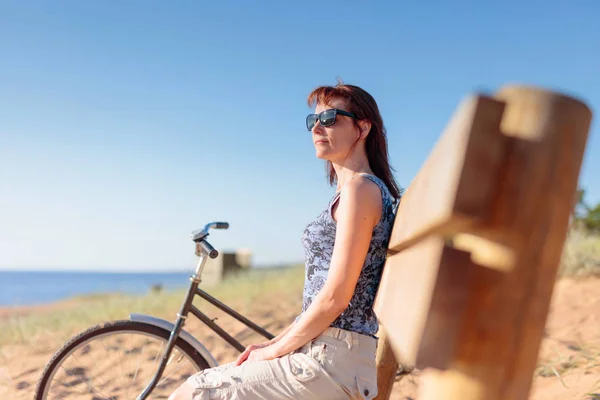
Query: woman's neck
x=346, y=174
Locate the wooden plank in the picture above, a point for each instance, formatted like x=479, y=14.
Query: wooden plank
x=451, y=193
x=430, y=296
x=388, y=364
x=404, y=296
x=454, y=296
x=502, y=329
x=454, y=187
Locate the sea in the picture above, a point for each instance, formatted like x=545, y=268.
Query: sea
x=20, y=288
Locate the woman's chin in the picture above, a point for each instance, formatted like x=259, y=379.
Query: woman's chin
x=321, y=156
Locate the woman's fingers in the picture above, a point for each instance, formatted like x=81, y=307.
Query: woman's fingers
x=245, y=354
x=242, y=358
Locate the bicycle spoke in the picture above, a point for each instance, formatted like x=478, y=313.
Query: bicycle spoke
x=87, y=379
x=158, y=353
x=131, y=384
x=94, y=363
x=166, y=377
x=72, y=376
x=138, y=364
x=107, y=354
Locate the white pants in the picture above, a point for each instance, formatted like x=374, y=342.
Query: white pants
x=338, y=364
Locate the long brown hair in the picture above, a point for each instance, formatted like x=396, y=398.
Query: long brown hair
x=364, y=106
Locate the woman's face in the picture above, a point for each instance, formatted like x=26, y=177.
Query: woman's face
x=334, y=142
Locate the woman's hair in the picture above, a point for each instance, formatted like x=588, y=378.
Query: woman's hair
x=363, y=105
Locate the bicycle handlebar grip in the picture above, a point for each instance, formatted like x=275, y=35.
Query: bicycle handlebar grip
x=221, y=225
x=208, y=249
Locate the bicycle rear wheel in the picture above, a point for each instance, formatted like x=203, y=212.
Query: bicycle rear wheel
x=116, y=361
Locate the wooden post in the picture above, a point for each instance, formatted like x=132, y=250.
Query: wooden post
x=472, y=313
x=452, y=191
x=503, y=327
x=387, y=366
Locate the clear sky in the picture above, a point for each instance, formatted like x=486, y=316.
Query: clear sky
x=125, y=125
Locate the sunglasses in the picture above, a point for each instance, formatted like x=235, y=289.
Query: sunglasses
x=326, y=118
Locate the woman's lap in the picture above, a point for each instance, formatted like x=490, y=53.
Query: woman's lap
x=303, y=374
x=294, y=376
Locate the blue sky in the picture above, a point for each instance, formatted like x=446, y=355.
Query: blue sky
x=126, y=125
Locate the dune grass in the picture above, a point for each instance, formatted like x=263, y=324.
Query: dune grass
x=581, y=254
x=76, y=314
x=581, y=257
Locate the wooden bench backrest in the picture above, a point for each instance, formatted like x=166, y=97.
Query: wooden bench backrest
x=476, y=244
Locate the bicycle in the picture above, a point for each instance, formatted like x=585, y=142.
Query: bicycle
x=178, y=348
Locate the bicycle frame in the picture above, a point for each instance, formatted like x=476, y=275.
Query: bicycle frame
x=204, y=250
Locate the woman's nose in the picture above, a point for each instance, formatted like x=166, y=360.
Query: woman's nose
x=318, y=128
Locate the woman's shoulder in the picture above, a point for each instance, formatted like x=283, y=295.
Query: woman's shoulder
x=375, y=182
x=365, y=186
x=363, y=195
x=379, y=192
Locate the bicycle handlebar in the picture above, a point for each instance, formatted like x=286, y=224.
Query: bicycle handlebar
x=199, y=236
x=216, y=225
x=208, y=249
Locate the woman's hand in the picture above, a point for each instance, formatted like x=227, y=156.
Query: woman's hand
x=244, y=356
x=264, y=353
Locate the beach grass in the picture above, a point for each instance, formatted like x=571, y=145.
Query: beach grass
x=581, y=254
x=53, y=325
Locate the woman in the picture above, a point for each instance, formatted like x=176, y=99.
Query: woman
x=328, y=352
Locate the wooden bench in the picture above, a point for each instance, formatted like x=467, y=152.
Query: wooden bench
x=476, y=245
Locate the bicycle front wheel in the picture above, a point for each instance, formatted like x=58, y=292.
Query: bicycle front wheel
x=116, y=361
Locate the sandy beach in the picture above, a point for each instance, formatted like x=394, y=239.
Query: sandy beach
x=568, y=367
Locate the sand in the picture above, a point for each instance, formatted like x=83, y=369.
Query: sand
x=569, y=360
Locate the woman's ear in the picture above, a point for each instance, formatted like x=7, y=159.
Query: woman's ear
x=364, y=127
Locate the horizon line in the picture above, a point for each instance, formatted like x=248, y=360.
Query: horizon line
x=141, y=270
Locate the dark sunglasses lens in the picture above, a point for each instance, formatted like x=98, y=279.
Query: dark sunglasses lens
x=311, y=120
x=327, y=118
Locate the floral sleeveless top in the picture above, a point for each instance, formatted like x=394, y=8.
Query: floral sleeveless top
x=318, y=239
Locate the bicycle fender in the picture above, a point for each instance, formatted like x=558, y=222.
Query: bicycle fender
x=184, y=335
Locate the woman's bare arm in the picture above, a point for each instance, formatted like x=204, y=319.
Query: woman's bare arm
x=281, y=334
x=242, y=357
x=359, y=210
